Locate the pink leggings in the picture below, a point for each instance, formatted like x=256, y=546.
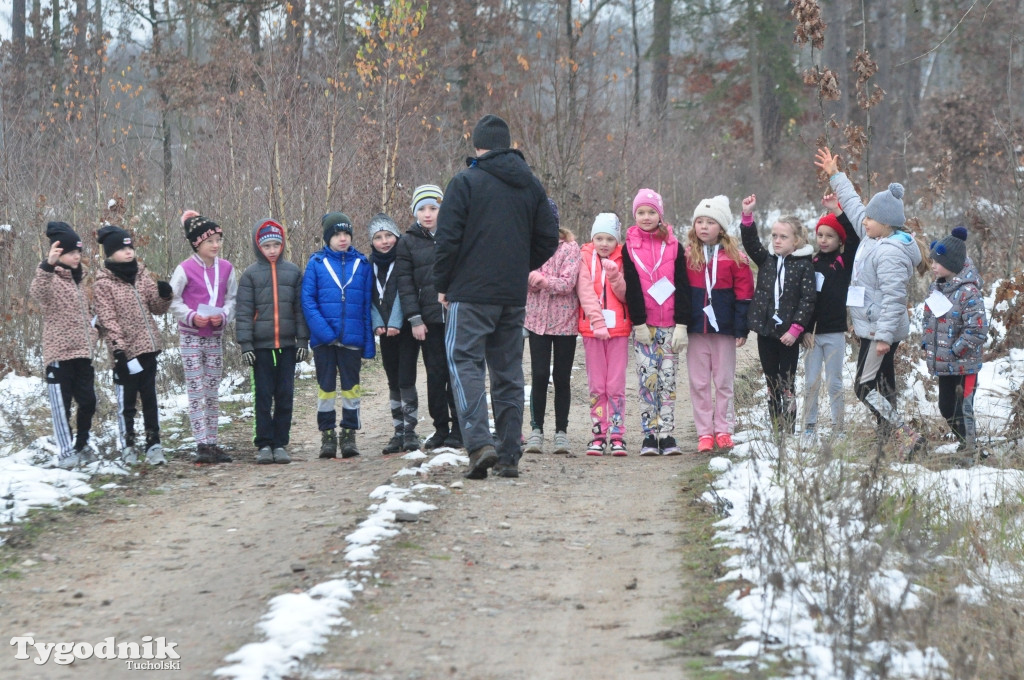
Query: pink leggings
x=606, y=378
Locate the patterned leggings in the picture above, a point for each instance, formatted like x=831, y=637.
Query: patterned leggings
x=203, y=358
x=656, y=378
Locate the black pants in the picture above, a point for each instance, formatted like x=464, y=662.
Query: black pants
x=73, y=379
x=398, y=353
x=440, y=399
x=779, y=362
x=877, y=376
x=956, y=404
x=541, y=348
x=273, y=387
x=130, y=390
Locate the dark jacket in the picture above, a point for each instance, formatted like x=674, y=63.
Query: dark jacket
x=385, y=307
x=414, y=269
x=334, y=316
x=269, y=303
x=796, y=304
x=495, y=226
x=835, y=269
x=730, y=296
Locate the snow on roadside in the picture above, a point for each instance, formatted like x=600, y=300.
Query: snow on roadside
x=297, y=625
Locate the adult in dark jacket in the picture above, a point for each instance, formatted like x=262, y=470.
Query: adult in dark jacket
x=495, y=227
x=414, y=269
x=782, y=307
x=272, y=334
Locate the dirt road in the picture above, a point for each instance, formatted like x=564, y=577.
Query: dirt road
x=571, y=571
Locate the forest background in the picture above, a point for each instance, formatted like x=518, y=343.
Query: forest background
x=131, y=111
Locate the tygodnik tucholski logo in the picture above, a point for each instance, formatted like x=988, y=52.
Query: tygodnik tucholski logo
x=149, y=654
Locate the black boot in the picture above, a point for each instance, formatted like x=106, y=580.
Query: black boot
x=454, y=438
x=328, y=444
x=347, y=441
x=394, y=444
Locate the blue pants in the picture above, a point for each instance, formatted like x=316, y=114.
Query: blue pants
x=273, y=388
x=330, y=361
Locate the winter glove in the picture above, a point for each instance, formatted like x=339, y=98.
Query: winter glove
x=301, y=354
x=642, y=334
x=249, y=358
x=164, y=290
x=120, y=364
x=602, y=334
x=679, y=338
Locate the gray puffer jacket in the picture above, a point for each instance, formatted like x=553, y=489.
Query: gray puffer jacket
x=953, y=343
x=269, y=303
x=883, y=268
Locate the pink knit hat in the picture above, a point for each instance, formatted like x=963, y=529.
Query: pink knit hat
x=652, y=198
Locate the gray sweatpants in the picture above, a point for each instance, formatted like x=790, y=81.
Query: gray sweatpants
x=829, y=351
x=479, y=336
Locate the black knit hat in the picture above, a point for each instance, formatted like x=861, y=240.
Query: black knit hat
x=491, y=133
x=951, y=252
x=63, y=233
x=198, y=228
x=113, y=239
x=333, y=222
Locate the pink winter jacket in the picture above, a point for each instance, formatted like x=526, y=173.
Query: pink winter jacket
x=594, y=300
x=552, y=307
x=643, y=252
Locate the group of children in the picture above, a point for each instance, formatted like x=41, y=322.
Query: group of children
x=702, y=296
x=642, y=289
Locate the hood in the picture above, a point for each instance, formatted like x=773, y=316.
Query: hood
x=508, y=165
x=260, y=257
x=906, y=243
x=806, y=250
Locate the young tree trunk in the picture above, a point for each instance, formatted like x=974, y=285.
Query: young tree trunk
x=661, y=47
x=636, y=62
x=754, y=52
x=836, y=15
x=81, y=30
x=18, y=48
x=55, y=48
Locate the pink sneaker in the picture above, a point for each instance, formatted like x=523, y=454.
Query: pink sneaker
x=618, y=448
x=705, y=444
x=724, y=441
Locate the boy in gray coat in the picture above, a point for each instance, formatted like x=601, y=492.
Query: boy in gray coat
x=955, y=330
x=272, y=335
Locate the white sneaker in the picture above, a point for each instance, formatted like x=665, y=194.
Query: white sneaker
x=68, y=462
x=809, y=438
x=535, y=442
x=561, y=443
x=155, y=455
x=129, y=456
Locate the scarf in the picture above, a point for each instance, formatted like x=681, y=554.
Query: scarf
x=125, y=271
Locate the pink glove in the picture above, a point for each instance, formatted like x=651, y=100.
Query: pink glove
x=602, y=334
x=537, y=280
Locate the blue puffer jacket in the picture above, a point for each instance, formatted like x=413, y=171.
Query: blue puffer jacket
x=331, y=314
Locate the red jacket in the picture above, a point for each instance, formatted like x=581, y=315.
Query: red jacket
x=595, y=298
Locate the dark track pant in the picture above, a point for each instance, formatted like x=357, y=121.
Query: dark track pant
x=487, y=338
x=541, y=348
x=67, y=381
x=133, y=388
x=779, y=362
x=273, y=389
x=440, y=399
x=956, y=404
x=332, y=361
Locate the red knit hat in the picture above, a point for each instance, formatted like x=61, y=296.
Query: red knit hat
x=829, y=220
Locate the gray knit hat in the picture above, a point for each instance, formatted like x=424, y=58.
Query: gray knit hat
x=886, y=207
x=426, y=194
x=951, y=252
x=607, y=223
x=491, y=133
x=381, y=222
x=334, y=222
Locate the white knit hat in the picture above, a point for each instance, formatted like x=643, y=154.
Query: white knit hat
x=607, y=223
x=426, y=192
x=716, y=208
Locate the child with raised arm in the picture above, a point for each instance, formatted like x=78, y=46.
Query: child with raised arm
x=714, y=288
x=205, y=288
x=782, y=308
x=649, y=266
x=825, y=340
x=272, y=335
x=955, y=330
x=336, y=296
x=127, y=298
x=552, y=320
x=605, y=326
x=68, y=341
x=877, y=297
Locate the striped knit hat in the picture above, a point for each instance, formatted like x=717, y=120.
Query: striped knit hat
x=426, y=194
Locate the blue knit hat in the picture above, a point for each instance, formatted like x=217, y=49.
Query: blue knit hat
x=886, y=207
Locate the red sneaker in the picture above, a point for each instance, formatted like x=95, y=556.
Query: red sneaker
x=705, y=444
x=724, y=440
